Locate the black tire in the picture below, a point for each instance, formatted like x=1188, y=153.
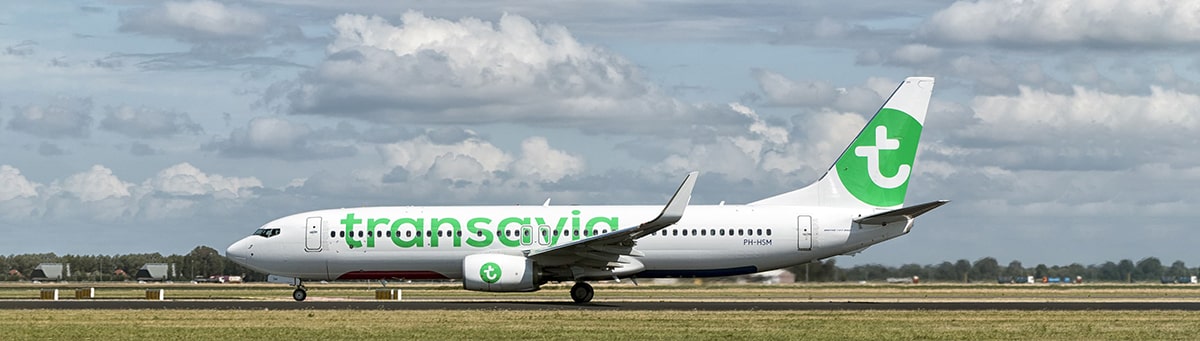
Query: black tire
x=299, y=295
x=582, y=292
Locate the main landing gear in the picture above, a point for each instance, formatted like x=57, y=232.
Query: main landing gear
x=582, y=292
x=300, y=293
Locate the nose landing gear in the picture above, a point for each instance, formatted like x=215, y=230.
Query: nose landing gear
x=301, y=292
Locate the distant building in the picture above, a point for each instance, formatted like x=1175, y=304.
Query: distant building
x=50, y=272
x=154, y=272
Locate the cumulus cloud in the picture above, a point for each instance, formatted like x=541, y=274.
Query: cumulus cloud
x=144, y=122
x=193, y=21
x=430, y=70
x=96, y=184
x=749, y=157
x=183, y=190
x=429, y=168
x=186, y=180
x=278, y=138
x=14, y=185
x=1104, y=23
x=220, y=35
x=99, y=195
x=543, y=163
x=420, y=155
x=817, y=139
x=476, y=162
x=783, y=91
x=770, y=156
x=1077, y=132
x=1086, y=108
x=66, y=117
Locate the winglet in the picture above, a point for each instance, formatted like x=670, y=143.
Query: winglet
x=669, y=216
x=674, y=210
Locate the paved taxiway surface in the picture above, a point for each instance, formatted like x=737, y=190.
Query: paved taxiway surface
x=674, y=305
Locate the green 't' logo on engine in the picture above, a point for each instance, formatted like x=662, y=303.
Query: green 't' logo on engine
x=876, y=167
x=489, y=272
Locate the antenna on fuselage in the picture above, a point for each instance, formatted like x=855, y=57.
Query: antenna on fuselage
x=547, y=203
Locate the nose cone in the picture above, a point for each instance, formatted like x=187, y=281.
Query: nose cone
x=239, y=252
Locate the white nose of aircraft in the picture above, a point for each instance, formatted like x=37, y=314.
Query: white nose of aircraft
x=239, y=252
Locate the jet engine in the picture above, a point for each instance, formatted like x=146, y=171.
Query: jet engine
x=499, y=273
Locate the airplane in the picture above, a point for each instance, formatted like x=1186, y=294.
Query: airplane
x=857, y=203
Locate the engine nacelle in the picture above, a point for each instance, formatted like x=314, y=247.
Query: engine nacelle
x=496, y=272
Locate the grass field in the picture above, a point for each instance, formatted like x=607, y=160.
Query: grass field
x=610, y=325
x=628, y=292
x=567, y=324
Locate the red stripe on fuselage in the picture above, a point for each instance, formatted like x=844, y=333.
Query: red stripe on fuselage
x=391, y=275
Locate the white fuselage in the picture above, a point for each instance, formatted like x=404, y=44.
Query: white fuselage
x=383, y=242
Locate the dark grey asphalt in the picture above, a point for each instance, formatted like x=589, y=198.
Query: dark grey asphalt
x=511, y=305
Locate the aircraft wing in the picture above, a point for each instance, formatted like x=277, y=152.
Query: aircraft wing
x=605, y=251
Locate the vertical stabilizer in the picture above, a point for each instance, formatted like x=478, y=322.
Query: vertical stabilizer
x=874, y=170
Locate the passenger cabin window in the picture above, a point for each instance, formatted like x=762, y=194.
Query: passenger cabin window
x=266, y=233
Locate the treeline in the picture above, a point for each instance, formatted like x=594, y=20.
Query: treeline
x=203, y=261
x=988, y=269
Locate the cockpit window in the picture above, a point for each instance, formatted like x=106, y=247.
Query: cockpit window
x=267, y=233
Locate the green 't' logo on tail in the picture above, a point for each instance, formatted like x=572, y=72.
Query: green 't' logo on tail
x=876, y=167
x=489, y=272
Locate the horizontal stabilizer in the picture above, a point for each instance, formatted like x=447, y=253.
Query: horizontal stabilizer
x=900, y=214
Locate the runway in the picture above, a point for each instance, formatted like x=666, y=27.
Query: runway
x=561, y=305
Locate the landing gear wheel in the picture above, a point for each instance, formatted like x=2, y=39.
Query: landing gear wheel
x=300, y=294
x=582, y=292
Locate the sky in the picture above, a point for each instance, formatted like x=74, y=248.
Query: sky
x=1064, y=131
